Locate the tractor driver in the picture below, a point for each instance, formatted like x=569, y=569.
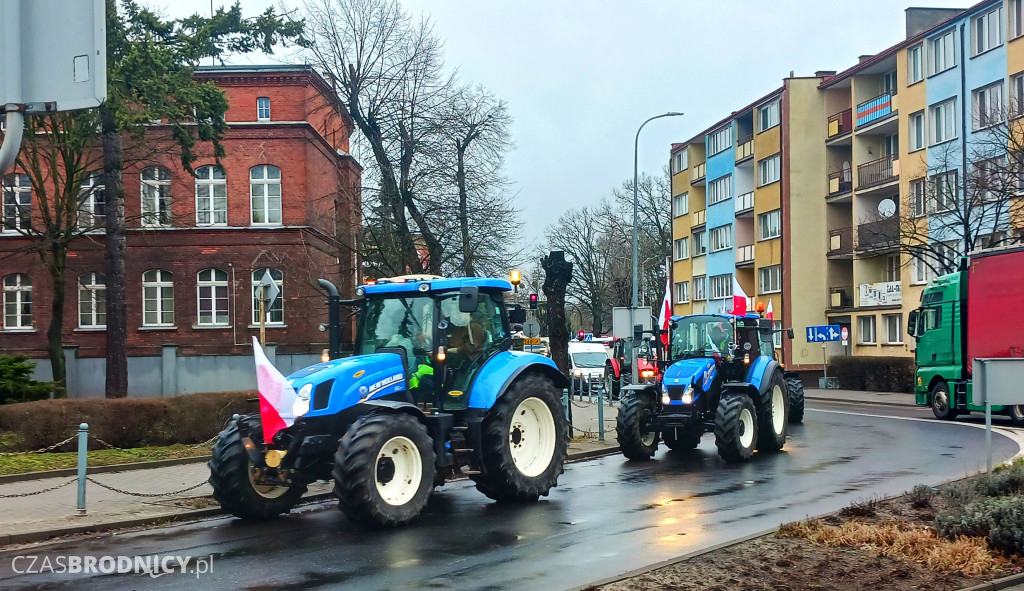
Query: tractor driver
x=720, y=338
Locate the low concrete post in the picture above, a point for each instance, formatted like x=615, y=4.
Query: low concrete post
x=83, y=447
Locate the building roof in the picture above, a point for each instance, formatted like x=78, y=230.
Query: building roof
x=700, y=136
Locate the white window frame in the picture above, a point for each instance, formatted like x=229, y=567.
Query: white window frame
x=893, y=264
x=989, y=107
x=888, y=324
x=769, y=170
x=210, y=180
x=700, y=285
x=777, y=333
x=987, y=31
x=942, y=52
x=92, y=300
x=919, y=197
x=720, y=238
x=681, y=248
x=915, y=64
x=217, y=281
x=16, y=214
x=720, y=190
x=768, y=116
x=867, y=339
x=92, y=197
x=1016, y=106
x=769, y=279
x=945, y=191
x=942, y=117
x=157, y=297
x=157, y=192
x=681, y=205
x=262, y=181
x=17, y=296
x=1015, y=19
x=918, y=132
x=700, y=243
x=769, y=225
x=275, y=313
x=263, y=108
x=682, y=292
x=720, y=286
x=679, y=161
x=719, y=140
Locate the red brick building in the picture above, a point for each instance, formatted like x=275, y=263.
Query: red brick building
x=281, y=198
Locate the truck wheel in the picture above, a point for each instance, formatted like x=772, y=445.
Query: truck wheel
x=796, y=400
x=611, y=385
x=941, y=405
x=773, y=416
x=1016, y=414
x=683, y=438
x=735, y=427
x=631, y=426
x=524, y=442
x=384, y=469
x=234, y=483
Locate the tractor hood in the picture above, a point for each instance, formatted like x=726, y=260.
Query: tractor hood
x=342, y=383
x=698, y=372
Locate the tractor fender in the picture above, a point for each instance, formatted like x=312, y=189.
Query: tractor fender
x=760, y=373
x=498, y=373
x=640, y=388
x=616, y=370
x=391, y=406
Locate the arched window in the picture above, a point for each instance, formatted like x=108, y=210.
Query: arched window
x=156, y=196
x=92, y=203
x=17, y=209
x=212, y=292
x=275, y=312
x=17, y=302
x=263, y=109
x=92, y=300
x=157, y=298
x=265, y=193
x=211, y=196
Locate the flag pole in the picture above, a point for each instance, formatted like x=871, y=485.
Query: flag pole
x=263, y=316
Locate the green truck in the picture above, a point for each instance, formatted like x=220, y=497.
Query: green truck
x=971, y=313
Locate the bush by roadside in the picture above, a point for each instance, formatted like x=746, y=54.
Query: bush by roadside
x=875, y=374
x=125, y=422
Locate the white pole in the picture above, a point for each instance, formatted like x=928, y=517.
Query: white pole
x=12, y=64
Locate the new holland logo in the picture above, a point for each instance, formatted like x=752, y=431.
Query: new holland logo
x=380, y=385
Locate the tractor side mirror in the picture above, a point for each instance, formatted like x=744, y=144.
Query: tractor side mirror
x=912, y=323
x=789, y=333
x=468, y=296
x=516, y=315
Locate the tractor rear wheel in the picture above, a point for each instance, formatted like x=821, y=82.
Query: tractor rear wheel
x=735, y=427
x=636, y=441
x=773, y=415
x=796, y=400
x=384, y=469
x=524, y=442
x=612, y=384
x=683, y=438
x=234, y=481
x=942, y=406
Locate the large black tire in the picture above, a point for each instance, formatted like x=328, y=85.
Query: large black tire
x=233, y=484
x=377, y=451
x=520, y=465
x=1016, y=414
x=612, y=384
x=796, y=400
x=940, y=402
x=683, y=438
x=773, y=415
x=735, y=418
x=637, y=410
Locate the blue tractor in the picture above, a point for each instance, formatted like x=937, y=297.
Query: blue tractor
x=720, y=375
x=432, y=392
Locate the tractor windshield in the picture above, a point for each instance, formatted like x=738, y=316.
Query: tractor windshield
x=406, y=322
x=700, y=336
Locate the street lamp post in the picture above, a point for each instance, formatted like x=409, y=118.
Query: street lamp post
x=636, y=232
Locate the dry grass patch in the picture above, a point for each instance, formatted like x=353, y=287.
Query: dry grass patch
x=968, y=555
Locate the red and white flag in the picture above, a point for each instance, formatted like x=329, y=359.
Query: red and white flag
x=739, y=298
x=277, y=397
x=768, y=312
x=666, y=312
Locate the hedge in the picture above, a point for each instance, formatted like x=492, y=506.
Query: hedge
x=877, y=374
x=124, y=422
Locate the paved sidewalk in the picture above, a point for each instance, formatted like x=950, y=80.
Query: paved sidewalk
x=897, y=398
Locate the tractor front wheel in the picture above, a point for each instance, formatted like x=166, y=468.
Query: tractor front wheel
x=234, y=480
x=632, y=426
x=524, y=442
x=796, y=400
x=384, y=470
x=735, y=427
x=683, y=438
x=773, y=411
x=941, y=403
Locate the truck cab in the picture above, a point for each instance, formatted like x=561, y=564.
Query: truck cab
x=938, y=325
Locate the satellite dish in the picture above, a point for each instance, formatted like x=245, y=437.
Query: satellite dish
x=886, y=208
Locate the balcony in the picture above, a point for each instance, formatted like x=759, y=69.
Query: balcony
x=745, y=148
x=745, y=255
x=700, y=218
x=839, y=182
x=840, y=243
x=744, y=203
x=879, y=235
x=840, y=123
x=874, y=109
x=878, y=172
x=840, y=298
x=699, y=172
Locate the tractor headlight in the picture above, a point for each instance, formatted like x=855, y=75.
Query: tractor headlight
x=301, y=405
x=646, y=374
x=424, y=287
x=360, y=291
x=665, y=399
x=688, y=395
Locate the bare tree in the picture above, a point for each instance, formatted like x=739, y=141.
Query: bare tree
x=654, y=221
x=579, y=234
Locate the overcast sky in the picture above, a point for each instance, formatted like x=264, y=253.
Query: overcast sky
x=580, y=76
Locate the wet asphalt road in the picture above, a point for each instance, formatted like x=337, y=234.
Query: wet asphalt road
x=607, y=516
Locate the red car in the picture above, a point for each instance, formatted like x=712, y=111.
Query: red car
x=617, y=370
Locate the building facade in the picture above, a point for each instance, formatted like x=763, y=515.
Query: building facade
x=281, y=203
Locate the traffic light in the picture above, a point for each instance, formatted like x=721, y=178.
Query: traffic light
x=533, y=301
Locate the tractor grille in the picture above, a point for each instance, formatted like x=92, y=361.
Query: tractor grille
x=322, y=395
x=676, y=392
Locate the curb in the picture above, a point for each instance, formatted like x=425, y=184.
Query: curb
x=8, y=478
x=1002, y=583
x=875, y=402
x=195, y=514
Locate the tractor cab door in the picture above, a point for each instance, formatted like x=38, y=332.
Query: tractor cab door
x=470, y=339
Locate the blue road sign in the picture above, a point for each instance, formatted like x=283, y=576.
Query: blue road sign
x=821, y=334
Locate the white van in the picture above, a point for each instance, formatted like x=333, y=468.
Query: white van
x=587, y=361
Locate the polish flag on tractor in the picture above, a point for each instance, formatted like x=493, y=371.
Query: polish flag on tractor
x=768, y=312
x=666, y=312
x=739, y=298
x=277, y=397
